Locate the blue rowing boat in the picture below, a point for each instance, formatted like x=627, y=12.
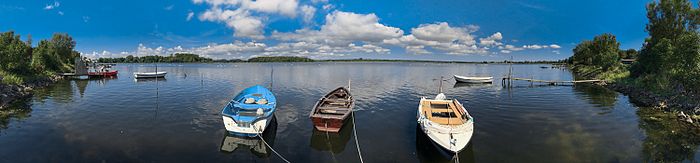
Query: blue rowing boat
x=250, y=112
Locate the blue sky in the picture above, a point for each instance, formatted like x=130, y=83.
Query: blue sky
x=410, y=29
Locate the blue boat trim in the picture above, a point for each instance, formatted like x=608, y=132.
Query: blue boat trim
x=241, y=112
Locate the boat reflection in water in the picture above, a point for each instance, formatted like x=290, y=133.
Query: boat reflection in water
x=428, y=151
x=471, y=85
x=232, y=143
x=144, y=80
x=333, y=142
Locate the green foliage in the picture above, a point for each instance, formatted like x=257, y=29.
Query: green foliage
x=55, y=55
x=178, y=57
x=19, y=62
x=628, y=54
x=13, y=53
x=672, y=52
x=11, y=78
x=280, y=59
x=597, y=57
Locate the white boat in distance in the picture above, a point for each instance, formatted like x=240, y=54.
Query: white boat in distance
x=446, y=122
x=160, y=74
x=473, y=79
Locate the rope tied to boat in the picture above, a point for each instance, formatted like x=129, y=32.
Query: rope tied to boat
x=354, y=130
x=328, y=139
x=456, y=157
x=268, y=145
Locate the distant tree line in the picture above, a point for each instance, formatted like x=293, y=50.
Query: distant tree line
x=19, y=61
x=178, y=57
x=194, y=58
x=280, y=59
x=669, y=57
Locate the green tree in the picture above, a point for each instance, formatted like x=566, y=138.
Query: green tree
x=602, y=52
x=43, y=57
x=13, y=53
x=671, y=53
x=669, y=20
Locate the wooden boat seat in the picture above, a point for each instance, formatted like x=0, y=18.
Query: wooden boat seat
x=334, y=116
x=443, y=112
x=337, y=100
x=334, y=111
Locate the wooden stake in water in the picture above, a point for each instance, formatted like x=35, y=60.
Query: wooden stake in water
x=440, y=89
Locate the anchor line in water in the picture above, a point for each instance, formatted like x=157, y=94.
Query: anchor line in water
x=354, y=130
x=328, y=140
x=268, y=145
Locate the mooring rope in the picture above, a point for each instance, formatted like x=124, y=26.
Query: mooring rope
x=456, y=157
x=354, y=130
x=328, y=141
x=272, y=149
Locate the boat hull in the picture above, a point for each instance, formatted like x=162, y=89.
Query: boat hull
x=442, y=140
x=103, y=74
x=250, y=130
x=328, y=124
x=150, y=75
x=473, y=79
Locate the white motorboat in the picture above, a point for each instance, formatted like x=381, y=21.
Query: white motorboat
x=473, y=79
x=159, y=74
x=446, y=122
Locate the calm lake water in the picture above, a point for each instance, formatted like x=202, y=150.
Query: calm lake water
x=178, y=119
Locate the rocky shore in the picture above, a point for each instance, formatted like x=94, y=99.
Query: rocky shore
x=685, y=105
x=12, y=93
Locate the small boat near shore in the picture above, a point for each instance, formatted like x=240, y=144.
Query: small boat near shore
x=445, y=121
x=331, y=111
x=159, y=74
x=249, y=112
x=473, y=79
x=101, y=70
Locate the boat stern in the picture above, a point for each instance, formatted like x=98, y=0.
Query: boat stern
x=249, y=129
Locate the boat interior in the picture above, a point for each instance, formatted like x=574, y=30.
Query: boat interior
x=337, y=103
x=445, y=112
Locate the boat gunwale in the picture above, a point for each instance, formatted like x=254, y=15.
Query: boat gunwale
x=272, y=104
x=315, y=111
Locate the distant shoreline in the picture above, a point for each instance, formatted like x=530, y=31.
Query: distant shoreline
x=288, y=59
x=370, y=61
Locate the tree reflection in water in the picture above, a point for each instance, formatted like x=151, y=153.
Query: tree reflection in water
x=19, y=110
x=598, y=95
x=667, y=138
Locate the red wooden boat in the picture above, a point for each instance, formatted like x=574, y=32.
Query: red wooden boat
x=102, y=70
x=331, y=111
x=103, y=74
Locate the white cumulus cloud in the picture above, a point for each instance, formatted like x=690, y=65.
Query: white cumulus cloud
x=308, y=13
x=247, y=17
x=442, y=37
x=342, y=28
x=493, y=40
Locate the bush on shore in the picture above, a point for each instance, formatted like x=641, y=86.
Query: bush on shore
x=21, y=63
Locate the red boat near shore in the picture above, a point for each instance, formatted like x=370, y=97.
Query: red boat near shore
x=102, y=70
x=331, y=111
x=103, y=74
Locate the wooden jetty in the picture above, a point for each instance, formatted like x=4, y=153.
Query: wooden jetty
x=551, y=82
x=507, y=80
